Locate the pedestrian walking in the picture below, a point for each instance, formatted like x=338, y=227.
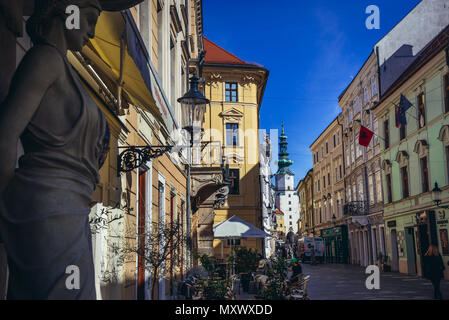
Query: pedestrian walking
x=433, y=269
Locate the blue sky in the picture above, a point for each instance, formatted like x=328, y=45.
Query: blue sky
x=313, y=49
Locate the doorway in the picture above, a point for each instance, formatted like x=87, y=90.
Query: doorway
x=411, y=252
x=394, y=251
x=141, y=237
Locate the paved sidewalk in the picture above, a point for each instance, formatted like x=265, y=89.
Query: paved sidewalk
x=347, y=282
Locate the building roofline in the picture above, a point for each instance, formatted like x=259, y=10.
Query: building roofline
x=226, y=51
x=263, y=84
x=403, y=18
x=235, y=65
x=433, y=48
x=324, y=130
x=360, y=70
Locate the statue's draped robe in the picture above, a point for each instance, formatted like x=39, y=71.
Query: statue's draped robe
x=44, y=211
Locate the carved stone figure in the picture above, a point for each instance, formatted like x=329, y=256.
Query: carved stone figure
x=45, y=203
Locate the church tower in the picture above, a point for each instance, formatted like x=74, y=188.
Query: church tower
x=286, y=198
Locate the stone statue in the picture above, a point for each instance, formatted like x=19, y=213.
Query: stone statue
x=45, y=202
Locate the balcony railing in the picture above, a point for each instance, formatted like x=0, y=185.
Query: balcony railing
x=356, y=208
x=208, y=154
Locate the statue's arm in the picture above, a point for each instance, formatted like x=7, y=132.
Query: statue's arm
x=39, y=69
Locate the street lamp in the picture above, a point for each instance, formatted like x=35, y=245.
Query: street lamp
x=436, y=196
x=193, y=107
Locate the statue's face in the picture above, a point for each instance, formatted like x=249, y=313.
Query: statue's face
x=77, y=38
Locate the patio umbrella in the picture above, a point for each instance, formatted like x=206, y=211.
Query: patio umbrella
x=236, y=228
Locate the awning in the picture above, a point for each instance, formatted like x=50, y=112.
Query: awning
x=236, y=228
x=106, y=5
x=139, y=76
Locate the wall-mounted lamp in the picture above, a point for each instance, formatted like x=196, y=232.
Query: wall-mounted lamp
x=436, y=196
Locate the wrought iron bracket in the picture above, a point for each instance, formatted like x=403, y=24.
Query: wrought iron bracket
x=136, y=156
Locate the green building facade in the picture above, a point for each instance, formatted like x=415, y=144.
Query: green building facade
x=414, y=160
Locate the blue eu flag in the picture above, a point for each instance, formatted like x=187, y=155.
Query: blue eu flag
x=404, y=105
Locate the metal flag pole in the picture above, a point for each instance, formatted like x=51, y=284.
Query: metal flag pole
x=412, y=105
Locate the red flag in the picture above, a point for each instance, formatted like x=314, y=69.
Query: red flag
x=365, y=136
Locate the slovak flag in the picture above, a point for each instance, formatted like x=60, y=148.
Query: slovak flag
x=365, y=136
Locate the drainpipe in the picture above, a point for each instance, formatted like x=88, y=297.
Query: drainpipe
x=378, y=73
x=343, y=155
x=344, y=181
x=188, y=189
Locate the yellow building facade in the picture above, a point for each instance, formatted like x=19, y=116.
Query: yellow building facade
x=235, y=90
x=305, y=193
x=145, y=114
x=279, y=225
x=328, y=177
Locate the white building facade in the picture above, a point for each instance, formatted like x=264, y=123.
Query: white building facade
x=286, y=196
x=266, y=192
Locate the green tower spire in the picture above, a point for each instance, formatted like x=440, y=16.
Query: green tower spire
x=284, y=162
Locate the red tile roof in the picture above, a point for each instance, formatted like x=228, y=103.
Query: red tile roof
x=216, y=54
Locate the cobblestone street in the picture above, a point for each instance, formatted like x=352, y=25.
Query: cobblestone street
x=347, y=282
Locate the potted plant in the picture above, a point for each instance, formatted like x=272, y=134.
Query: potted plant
x=276, y=287
x=246, y=261
x=207, y=262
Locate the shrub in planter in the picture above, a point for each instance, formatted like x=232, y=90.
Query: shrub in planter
x=214, y=290
x=246, y=260
x=207, y=262
x=276, y=288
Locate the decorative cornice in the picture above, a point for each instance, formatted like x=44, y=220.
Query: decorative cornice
x=402, y=158
x=444, y=134
x=421, y=148
x=243, y=77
